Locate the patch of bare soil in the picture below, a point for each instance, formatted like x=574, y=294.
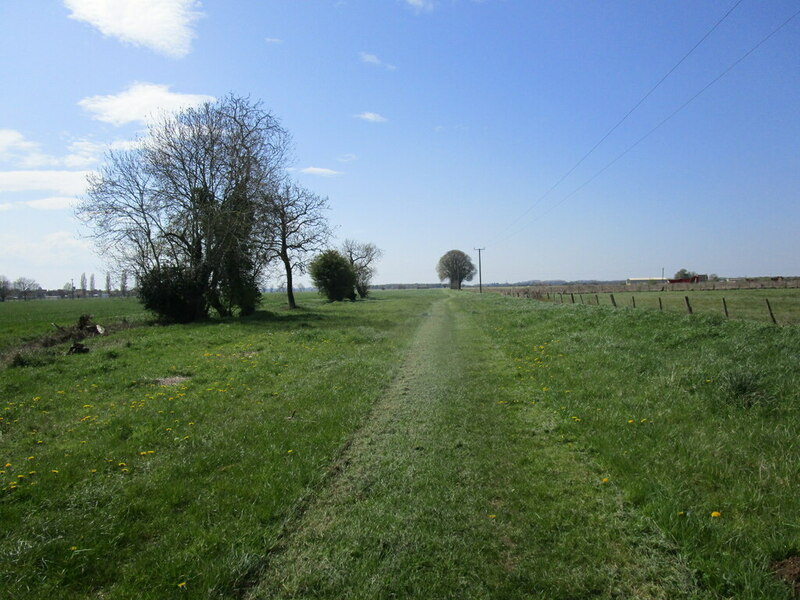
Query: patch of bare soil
x=789, y=570
x=175, y=380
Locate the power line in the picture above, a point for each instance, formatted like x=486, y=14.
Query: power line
x=663, y=121
x=623, y=119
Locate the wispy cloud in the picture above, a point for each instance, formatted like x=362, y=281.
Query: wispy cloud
x=52, y=203
x=273, y=40
x=371, y=117
x=320, y=171
x=165, y=26
x=420, y=4
x=371, y=59
x=346, y=158
x=21, y=152
x=63, y=183
x=140, y=102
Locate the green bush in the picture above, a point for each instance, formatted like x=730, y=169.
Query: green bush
x=173, y=294
x=333, y=274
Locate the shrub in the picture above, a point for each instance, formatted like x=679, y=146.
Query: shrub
x=333, y=274
x=173, y=294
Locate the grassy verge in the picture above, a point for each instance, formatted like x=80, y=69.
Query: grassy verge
x=747, y=305
x=694, y=421
x=165, y=461
x=460, y=486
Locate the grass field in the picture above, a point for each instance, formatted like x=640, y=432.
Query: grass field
x=21, y=321
x=743, y=304
x=424, y=444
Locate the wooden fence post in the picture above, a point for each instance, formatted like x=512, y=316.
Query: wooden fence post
x=633, y=301
x=613, y=302
x=597, y=299
x=581, y=298
x=771, y=315
x=660, y=306
x=571, y=295
x=725, y=307
x=688, y=306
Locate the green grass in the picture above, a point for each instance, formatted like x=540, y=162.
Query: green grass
x=424, y=444
x=742, y=304
x=117, y=486
x=687, y=416
x=22, y=321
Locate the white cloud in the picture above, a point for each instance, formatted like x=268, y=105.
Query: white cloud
x=63, y=183
x=165, y=26
x=52, y=203
x=322, y=172
x=346, y=158
x=371, y=117
x=371, y=59
x=420, y=4
x=140, y=102
x=273, y=40
x=15, y=148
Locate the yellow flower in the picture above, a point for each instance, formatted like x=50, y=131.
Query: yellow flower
x=54, y=470
x=182, y=584
x=73, y=548
x=630, y=420
x=716, y=514
x=604, y=480
x=492, y=516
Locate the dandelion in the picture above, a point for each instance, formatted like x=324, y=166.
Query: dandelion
x=54, y=471
x=31, y=457
x=491, y=516
x=73, y=548
x=715, y=514
x=182, y=584
x=681, y=513
x=604, y=480
x=289, y=451
x=631, y=421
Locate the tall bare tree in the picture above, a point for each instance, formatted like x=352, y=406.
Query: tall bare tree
x=299, y=228
x=362, y=257
x=189, y=202
x=26, y=287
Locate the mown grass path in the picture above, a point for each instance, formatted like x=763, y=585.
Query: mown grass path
x=459, y=486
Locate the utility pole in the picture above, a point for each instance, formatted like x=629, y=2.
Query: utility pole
x=480, y=276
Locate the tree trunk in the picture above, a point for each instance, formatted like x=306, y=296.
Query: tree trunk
x=289, y=290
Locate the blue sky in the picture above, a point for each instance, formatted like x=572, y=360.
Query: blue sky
x=434, y=124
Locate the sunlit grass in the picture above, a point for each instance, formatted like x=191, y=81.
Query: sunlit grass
x=172, y=455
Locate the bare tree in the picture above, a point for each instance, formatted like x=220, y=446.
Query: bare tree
x=5, y=287
x=108, y=284
x=92, y=287
x=83, y=284
x=26, y=287
x=189, y=201
x=298, y=229
x=456, y=267
x=123, y=283
x=362, y=257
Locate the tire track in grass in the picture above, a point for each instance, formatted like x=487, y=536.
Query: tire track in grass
x=456, y=488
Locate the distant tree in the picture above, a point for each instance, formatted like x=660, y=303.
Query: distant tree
x=26, y=287
x=92, y=287
x=108, y=283
x=123, y=283
x=298, y=228
x=685, y=274
x=69, y=289
x=333, y=275
x=5, y=287
x=362, y=258
x=83, y=284
x=456, y=267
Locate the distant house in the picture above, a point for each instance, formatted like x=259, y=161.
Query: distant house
x=695, y=279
